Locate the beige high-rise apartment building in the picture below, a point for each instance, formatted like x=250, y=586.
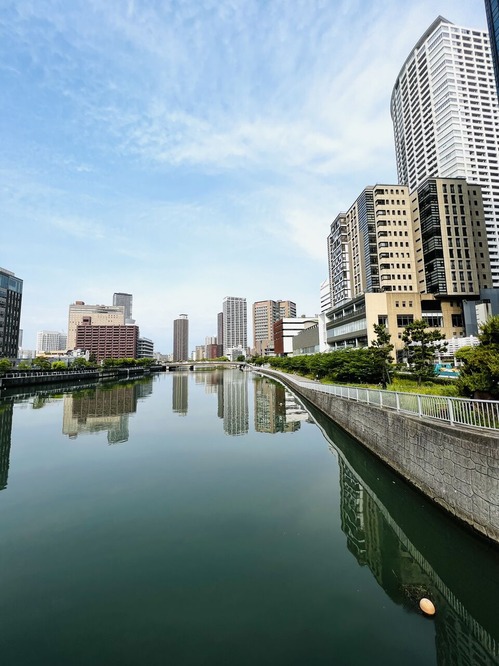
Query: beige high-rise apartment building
x=371, y=246
x=404, y=257
x=450, y=238
x=265, y=314
x=96, y=315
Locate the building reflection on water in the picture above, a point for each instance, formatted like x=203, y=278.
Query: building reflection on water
x=6, y=411
x=235, y=401
x=103, y=408
x=180, y=393
x=276, y=410
x=378, y=512
x=377, y=541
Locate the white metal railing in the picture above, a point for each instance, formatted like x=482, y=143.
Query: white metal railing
x=455, y=411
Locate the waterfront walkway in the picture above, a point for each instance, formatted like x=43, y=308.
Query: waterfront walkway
x=457, y=412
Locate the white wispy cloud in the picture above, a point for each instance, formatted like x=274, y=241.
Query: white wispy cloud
x=165, y=147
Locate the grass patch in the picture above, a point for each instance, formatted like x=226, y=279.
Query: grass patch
x=404, y=385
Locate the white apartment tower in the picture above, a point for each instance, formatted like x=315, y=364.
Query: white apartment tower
x=235, y=323
x=445, y=114
x=50, y=341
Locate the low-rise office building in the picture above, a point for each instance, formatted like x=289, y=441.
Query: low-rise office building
x=145, y=348
x=286, y=329
x=108, y=341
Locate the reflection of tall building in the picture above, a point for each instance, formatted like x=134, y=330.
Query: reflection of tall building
x=211, y=379
x=276, y=410
x=180, y=393
x=100, y=409
x=376, y=540
x=220, y=397
x=143, y=388
x=6, y=410
x=269, y=406
x=236, y=413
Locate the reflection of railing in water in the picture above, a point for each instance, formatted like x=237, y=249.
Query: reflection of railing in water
x=461, y=637
x=483, y=643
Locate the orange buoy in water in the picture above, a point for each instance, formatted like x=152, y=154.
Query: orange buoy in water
x=427, y=606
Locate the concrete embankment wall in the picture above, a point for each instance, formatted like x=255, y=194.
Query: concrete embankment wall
x=458, y=468
x=13, y=380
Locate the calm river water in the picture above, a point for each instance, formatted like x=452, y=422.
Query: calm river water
x=207, y=519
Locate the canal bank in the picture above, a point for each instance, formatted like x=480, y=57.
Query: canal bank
x=457, y=468
x=40, y=378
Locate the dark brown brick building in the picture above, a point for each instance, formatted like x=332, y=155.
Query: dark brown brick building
x=108, y=341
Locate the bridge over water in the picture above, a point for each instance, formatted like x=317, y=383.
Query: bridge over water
x=203, y=365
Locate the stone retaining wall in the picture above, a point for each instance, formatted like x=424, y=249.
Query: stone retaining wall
x=458, y=468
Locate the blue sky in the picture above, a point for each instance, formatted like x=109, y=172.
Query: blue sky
x=189, y=150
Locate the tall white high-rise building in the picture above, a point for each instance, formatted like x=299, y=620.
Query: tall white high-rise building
x=50, y=341
x=235, y=323
x=445, y=114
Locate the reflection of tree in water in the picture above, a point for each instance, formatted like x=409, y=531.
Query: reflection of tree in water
x=39, y=401
x=376, y=540
x=6, y=411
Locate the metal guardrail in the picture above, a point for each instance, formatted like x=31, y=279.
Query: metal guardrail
x=483, y=414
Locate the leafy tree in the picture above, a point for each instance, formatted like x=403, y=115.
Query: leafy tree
x=58, y=365
x=383, y=352
x=145, y=362
x=489, y=331
x=79, y=363
x=41, y=363
x=5, y=365
x=240, y=358
x=24, y=365
x=479, y=373
x=421, y=347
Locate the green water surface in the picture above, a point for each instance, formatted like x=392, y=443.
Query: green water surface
x=207, y=518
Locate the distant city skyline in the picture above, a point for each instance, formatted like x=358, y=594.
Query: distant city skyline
x=179, y=154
